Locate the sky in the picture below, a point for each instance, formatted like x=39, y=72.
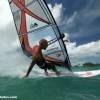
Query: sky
x=78, y=19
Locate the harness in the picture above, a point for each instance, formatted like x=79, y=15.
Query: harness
x=42, y=64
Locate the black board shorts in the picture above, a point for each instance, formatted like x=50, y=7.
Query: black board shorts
x=45, y=65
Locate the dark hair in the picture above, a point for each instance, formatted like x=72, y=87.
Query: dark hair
x=43, y=42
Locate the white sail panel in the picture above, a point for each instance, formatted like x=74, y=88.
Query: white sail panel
x=33, y=24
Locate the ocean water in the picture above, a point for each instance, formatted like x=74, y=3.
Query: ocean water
x=51, y=88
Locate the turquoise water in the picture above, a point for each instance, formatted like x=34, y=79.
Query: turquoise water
x=64, y=88
x=59, y=88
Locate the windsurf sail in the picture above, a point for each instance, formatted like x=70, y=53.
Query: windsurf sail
x=34, y=19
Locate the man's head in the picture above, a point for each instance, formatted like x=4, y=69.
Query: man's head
x=43, y=43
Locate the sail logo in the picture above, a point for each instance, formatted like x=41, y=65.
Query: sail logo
x=35, y=25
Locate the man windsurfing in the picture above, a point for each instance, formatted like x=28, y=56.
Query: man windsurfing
x=43, y=62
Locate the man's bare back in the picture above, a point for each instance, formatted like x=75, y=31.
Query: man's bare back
x=36, y=52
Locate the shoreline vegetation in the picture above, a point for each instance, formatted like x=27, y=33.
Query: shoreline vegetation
x=88, y=64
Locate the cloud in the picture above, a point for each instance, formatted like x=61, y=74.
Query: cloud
x=82, y=21
x=56, y=11
x=72, y=18
x=84, y=52
x=89, y=49
x=5, y=14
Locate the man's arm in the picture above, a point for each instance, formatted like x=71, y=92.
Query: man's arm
x=30, y=68
x=53, y=60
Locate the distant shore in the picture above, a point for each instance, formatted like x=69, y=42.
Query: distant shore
x=88, y=65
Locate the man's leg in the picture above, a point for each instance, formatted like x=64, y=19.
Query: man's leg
x=46, y=72
x=53, y=67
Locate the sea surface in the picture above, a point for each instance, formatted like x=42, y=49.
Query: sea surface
x=52, y=88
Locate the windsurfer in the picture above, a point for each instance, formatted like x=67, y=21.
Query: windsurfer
x=43, y=62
